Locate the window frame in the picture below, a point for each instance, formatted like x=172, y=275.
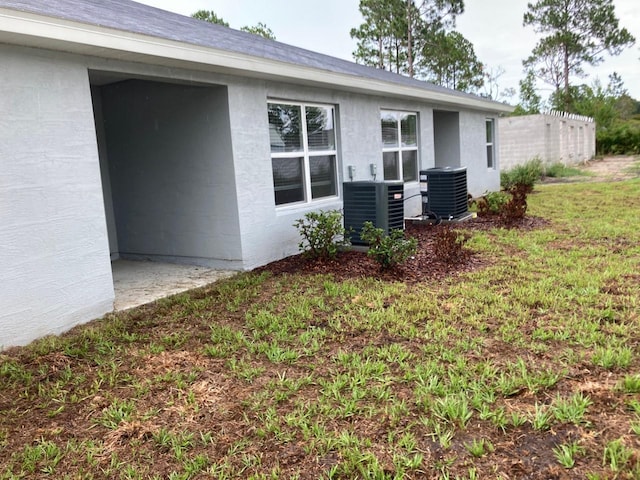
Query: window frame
x=490, y=143
x=306, y=154
x=400, y=148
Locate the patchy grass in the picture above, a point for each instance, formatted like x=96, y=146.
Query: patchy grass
x=560, y=170
x=634, y=168
x=527, y=367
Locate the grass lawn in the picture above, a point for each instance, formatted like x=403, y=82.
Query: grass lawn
x=526, y=368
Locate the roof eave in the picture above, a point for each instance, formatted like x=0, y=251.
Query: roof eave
x=27, y=29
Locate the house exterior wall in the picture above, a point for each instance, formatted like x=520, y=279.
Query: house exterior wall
x=54, y=260
x=172, y=173
x=52, y=202
x=473, y=147
x=551, y=138
x=359, y=145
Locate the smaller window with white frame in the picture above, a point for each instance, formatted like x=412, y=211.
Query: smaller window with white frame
x=491, y=154
x=303, y=152
x=399, y=145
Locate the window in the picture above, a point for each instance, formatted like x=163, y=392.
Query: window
x=491, y=163
x=303, y=152
x=399, y=145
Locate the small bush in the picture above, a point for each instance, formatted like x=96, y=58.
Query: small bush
x=322, y=234
x=518, y=183
x=526, y=174
x=491, y=203
x=515, y=209
x=449, y=244
x=388, y=250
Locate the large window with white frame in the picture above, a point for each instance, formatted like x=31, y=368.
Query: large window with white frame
x=491, y=154
x=303, y=151
x=399, y=145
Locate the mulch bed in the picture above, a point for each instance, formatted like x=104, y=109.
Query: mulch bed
x=425, y=265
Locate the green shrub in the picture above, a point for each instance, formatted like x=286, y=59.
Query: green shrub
x=620, y=138
x=491, y=203
x=322, y=234
x=388, y=250
x=495, y=200
x=526, y=174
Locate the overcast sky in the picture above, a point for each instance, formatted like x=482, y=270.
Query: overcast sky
x=493, y=26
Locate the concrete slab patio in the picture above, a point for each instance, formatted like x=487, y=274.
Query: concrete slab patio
x=139, y=282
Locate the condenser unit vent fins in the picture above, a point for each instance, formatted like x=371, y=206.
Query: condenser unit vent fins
x=446, y=191
x=381, y=203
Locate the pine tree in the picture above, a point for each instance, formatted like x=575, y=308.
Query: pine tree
x=577, y=32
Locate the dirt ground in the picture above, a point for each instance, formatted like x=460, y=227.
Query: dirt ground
x=612, y=168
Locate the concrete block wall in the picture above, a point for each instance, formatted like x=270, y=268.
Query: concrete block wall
x=551, y=137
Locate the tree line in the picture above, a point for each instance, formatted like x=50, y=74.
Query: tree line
x=418, y=38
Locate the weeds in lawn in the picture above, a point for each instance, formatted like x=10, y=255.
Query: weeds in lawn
x=442, y=433
x=542, y=417
x=43, y=455
x=566, y=453
x=177, y=443
x=243, y=369
x=612, y=357
x=571, y=410
x=634, y=168
x=119, y=411
x=560, y=170
x=634, y=406
x=616, y=455
x=453, y=408
x=479, y=448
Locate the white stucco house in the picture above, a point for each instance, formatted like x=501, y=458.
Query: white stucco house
x=129, y=131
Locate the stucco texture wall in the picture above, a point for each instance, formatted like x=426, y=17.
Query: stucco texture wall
x=473, y=152
x=267, y=230
x=54, y=260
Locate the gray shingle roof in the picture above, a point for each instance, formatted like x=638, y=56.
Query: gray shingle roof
x=129, y=16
